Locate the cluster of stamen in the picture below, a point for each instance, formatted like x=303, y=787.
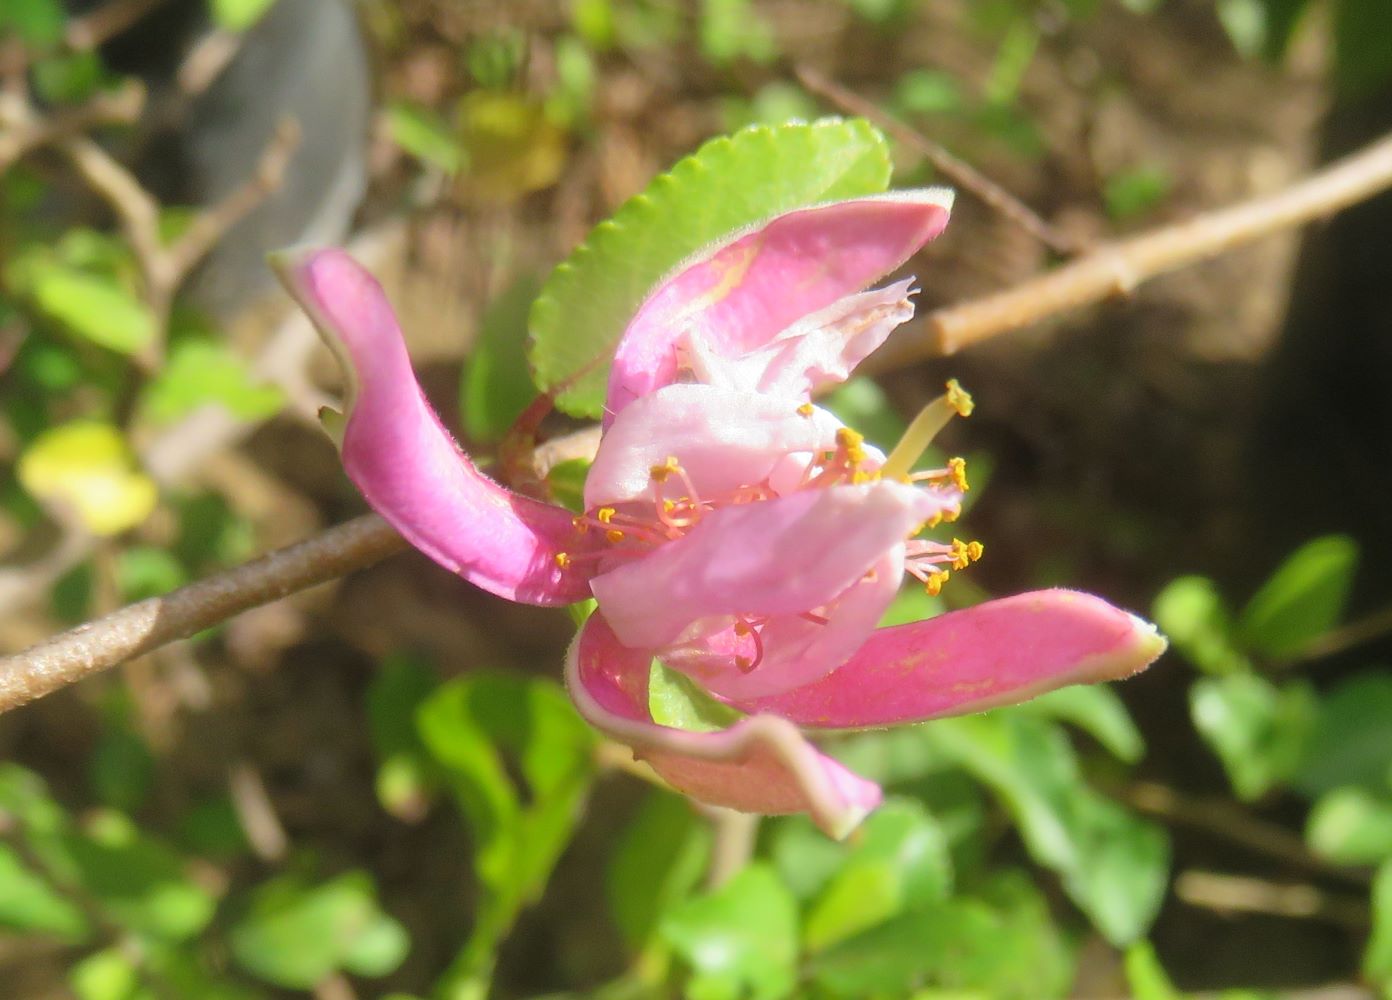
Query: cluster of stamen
x=676, y=506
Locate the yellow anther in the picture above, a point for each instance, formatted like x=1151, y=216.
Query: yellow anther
x=960, y=557
x=951, y=514
x=932, y=522
x=959, y=398
x=605, y=515
x=661, y=472
x=742, y=628
x=562, y=559
x=614, y=535
x=958, y=469
x=934, y=584
x=668, y=506
x=806, y=409
x=975, y=550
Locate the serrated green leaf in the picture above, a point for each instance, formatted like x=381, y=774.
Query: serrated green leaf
x=1303, y=599
x=1258, y=730
x=496, y=385
x=740, y=940
x=728, y=183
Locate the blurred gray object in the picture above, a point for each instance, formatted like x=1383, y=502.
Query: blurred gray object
x=304, y=60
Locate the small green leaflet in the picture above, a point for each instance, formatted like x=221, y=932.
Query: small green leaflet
x=727, y=184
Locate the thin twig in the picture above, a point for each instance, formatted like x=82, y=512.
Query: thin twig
x=22, y=132
x=1117, y=268
x=961, y=173
x=83, y=34
x=1234, y=824
x=149, y=624
x=144, y=626
x=162, y=266
x=1345, y=637
x=1242, y=894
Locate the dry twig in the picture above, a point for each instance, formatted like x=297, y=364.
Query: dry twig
x=107, y=641
x=22, y=132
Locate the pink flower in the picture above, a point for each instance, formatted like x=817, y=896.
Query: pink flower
x=732, y=529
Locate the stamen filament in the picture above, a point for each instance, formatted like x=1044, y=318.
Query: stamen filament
x=930, y=420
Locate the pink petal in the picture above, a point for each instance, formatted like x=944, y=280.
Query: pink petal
x=775, y=557
x=795, y=649
x=723, y=439
x=817, y=351
x=405, y=463
x=997, y=653
x=741, y=294
x=760, y=764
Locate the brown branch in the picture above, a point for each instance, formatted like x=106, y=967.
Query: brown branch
x=149, y=624
x=83, y=34
x=961, y=173
x=1243, y=894
x=1116, y=268
x=144, y=626
x=23, y=132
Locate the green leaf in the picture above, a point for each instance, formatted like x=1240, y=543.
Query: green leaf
x=294, y=934
x=1113, y=865
x=200, y=372
x=1377, y=958
x=1362, y=46
x=1000, y=941
x=147, y=571
x=656, y=864
x=1192, y=614
x=679, y=702
x=740, y=940
x=95, y=306
x=567, y=483
x=29, y=903
x=106, y=975
x=728, y=183
x=1095, y=709
x=496, y=385
x=239, y=15
x=1351, y=826
x=928, y=92
x=473, y=728
x=806, y=858
x=1146, y=976
x=425, y=135
x=1258, y=730
x=1303, y=599
x=406, y=776
x=1351, y=743
x=122, y=769
x=732, y=29
x=899, y=862
x=38, y=23
x=85, y=467
x=1131, y=193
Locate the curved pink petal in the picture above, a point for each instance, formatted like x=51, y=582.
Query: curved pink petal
x=997, y=653
x=817, y=351
x=739, y=295
x=405, y=463
x=782, y=556
x=760, y=764
x=723, y=439
x=794, y=650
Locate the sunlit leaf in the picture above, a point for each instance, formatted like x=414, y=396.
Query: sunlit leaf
x=29, y=903
x=1351, y=826
x=239, y=15
x=85, y=468
x=1377, y=957
x=496, y=385
x=200, y=372
x=740, y=940
x=1146, y=976
x=1095, y=709
x=1258, y=730
x=1191, y=613
x=1303, y=599
x=727, y=183
x=425, y=135
x=95, y=306
x=679, y=702
x=295, y=934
